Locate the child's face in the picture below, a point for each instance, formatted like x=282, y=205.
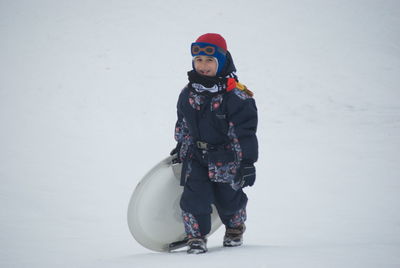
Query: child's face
x=206, y=65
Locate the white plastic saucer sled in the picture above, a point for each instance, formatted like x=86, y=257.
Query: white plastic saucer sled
x=154, y=215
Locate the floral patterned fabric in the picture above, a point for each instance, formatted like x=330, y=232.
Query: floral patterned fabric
x=238, y=218
x=216, y=102
x=196, y=100
x=183, y=137
x=192, y=228
x=235, y=142
x=219, y=172
x=241, y=94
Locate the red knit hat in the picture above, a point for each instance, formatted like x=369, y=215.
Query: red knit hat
x=213, y=38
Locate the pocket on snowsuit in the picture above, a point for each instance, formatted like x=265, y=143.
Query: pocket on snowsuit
x=222, y=166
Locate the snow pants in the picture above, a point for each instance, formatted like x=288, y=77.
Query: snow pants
x=200, y=192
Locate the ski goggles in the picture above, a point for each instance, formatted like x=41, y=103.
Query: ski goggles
x=206, y=49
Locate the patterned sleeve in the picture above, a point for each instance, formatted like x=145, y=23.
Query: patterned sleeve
x=243, y=119
x=181, y=129
x=182, y=133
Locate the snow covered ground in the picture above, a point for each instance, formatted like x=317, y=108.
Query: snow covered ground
x=87, y=105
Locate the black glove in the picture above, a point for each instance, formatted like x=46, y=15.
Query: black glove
x=246, y=176
x=175, y=152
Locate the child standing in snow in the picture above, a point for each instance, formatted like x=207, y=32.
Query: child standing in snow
x=217, y=144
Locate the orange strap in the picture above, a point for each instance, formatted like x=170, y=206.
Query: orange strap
x=231, y=84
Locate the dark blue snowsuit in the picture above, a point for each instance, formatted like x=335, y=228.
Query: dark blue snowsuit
x=216, y=135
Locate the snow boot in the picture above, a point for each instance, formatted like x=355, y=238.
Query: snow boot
x=234, y=236
x=197, y=245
